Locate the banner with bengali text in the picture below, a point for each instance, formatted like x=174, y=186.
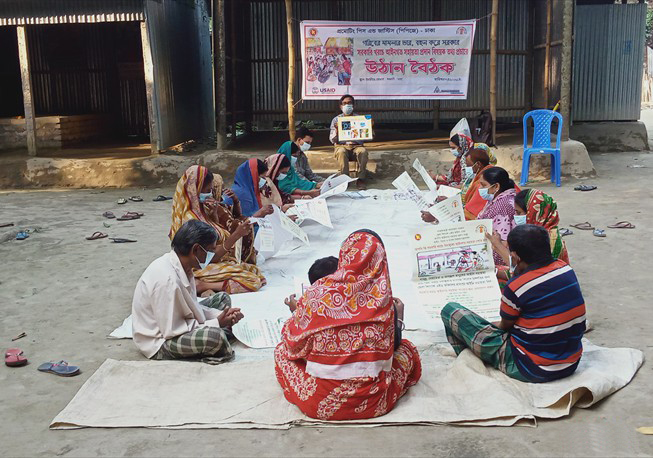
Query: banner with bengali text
x=383, y=60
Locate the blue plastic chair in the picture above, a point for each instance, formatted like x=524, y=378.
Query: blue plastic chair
x=542, y=120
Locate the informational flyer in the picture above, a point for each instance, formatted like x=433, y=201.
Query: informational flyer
x=259, y=333
x=334, y=181
x=314, y=209
x=430, y=183
x=453, y=263
x=406, y=184
x=449, y=210
x=274, y=231
x=386, y=60
x=447, y=191
x=355, y=128
x=339, y=189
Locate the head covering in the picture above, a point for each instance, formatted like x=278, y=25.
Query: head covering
x=274, y=165
x=344, y=322
x=186, y=203
x=456, y=173
x=490, y=154
x=542, y=210
x=292, y=181
x=246, y=187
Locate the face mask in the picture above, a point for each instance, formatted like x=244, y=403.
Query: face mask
x=485, y=194
x=469, y=171
x=512, y=267
x=205, y=195
x=261, y=182
x=347, y=109
x=305, y=146
x=520, y=219
x=209, y=257
x=293, y=161
x=455, y=152
x=281, y=176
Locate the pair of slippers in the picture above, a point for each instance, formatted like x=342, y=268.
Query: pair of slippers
x=123, y=201
x=585, y=187
x=128, y=216
x=102, y=235
x=587, y=226
x=14, y=357
x=161, y=198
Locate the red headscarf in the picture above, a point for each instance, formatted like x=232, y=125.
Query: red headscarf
x=348, y=316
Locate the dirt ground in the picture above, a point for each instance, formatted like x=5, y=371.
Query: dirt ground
x=67, y=294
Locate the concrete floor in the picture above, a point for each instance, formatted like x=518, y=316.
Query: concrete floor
x=67, y=294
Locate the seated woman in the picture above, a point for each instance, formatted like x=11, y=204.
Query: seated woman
x=198, y=196
x=533, y=207
x=291, y=183
x=256, y=191
x=461, y=145
x=479, y=161
x=341, y=356
x=498, y=190
x=278, y=168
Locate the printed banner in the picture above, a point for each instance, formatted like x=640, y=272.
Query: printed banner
x=386, y=60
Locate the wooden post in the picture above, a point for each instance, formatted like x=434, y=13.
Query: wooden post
x=235, y=99
x=25, y=76
x=150, y=92
x=547, y=53
x=566, y=67
x=493, y=67
x=219, y=63
x=291, y=71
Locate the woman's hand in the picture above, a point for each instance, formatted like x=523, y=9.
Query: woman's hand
x=286, y=207
x=495, y=239
x=313, y=193
x=242, y=230
x=263, y=211
x=291, y=302
x=428, y=217
x=211, y=206
x=232, y=195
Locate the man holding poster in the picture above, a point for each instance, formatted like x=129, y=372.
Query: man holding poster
x=351, y=150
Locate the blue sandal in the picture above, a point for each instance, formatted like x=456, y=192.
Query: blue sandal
x=61, y=368
x=22, y=235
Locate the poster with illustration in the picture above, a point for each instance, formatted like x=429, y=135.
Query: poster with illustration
x=386, y=60
x=354, y=128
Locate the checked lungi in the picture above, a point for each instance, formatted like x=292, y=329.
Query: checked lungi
x=466, y=329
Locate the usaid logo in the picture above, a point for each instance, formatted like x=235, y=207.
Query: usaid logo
x=323, y=90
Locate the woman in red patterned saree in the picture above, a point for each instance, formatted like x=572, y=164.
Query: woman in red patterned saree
x=341, y=356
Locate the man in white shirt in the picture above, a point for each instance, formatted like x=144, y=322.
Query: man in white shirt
x=168, y=321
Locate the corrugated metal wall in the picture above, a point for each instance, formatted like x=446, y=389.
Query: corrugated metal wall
x=21, y=12
x=608, y=62
x=179, y=87
x=269, y=57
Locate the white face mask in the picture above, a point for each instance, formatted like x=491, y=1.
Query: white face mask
x=205, y=195
x=485, y=194
x=347, y=109
x=469, y=171
x=209, y=257
x=261, y=182
x=520, y=219
x=281, y=176
x=305, y=146
x=293, y=161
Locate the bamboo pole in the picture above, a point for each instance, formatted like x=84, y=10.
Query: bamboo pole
x=26, y=80
x=493, y=67
x=219, y=73
x=547, y=52
x=291, y=71
x=566, y=67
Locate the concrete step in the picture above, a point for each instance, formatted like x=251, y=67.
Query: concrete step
x=323, y=162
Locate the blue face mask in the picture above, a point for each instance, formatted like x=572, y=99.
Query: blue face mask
x=455, y=152
x=469, y=171
x=281, y=176
x=209, y=257
x=485, y=194
x=205, y=195
x=520, y=219
x=261, y=182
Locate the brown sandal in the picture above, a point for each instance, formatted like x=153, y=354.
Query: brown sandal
x=622, y=225
x=97, y=235
x=586, y=226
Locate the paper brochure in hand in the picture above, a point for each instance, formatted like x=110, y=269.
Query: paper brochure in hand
x=449, y=210
x=314, y=209
x=334, y=181
x=453, y=263
x=406, y=184
x=417, y=165
x=259, y=333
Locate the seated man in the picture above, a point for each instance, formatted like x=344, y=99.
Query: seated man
x=542, y=315
x=304, y=139
x=349, y=151
x=168, y=321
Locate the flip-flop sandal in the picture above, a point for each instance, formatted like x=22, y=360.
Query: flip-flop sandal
x=128, y=217
x=161, y=198
x=599, y=233
x=564, y=232
x=586, y=226
x=136, y=199
x=121, y=240
x=6, y=224
x=122, y=201
x=622, y=225
x=97, y=235
x=14, y=357
x=109, y=215
x=61, y=368
x=585, y=187
x=139, y=214
x=22, y=235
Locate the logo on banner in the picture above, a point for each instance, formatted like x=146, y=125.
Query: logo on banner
x=313, y=32
x=480, y=229
x=323, y=90
x=418, y=237
x=461, y=31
